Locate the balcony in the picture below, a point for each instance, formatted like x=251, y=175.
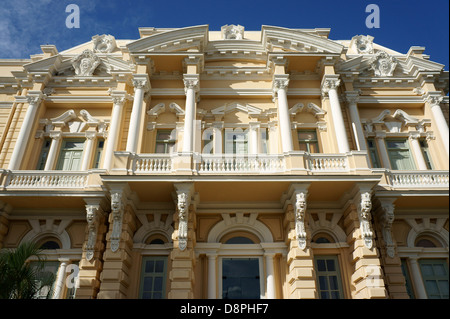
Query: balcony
x=417, y=179
x=37, y=180
x=204, y=164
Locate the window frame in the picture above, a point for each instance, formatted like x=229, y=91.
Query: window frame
x=436, y=278
x=308, y=142
x=155, y=258
x=411, y=163
x=168, y=143
x=338, y=273
x=60, y=161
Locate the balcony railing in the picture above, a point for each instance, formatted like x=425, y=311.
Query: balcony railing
x=328, y=162
x=414, y=179
x=45, y=179
x=152, y=163
x=241, y=164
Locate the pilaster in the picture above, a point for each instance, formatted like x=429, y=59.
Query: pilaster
x=300, y=259
x=91, y=263
x=115, y=277
x=367, y=279
x=181, y=276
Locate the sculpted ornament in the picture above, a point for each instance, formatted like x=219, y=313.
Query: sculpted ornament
x=383, y=64
x=364, y=219
x=104, y=43
x=364, y=44
x=300, y=209
x=233, y=32
x=117, y=213
x=387, y=218
x=183, y=207
x=92, y=220
x=85, y=63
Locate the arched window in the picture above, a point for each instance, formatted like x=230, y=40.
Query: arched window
x=239, y=240
x=427, y=242
x=50, y=244
x=323, y=238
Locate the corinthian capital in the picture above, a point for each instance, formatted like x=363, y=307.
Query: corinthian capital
x=433, y=98
x=141, y=81
x=191, y=81
x=35, y=97
x=330, y=82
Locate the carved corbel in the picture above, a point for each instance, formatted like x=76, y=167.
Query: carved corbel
x=117, y=218
x=300, y=210
x=183, y=216
x=364, y=216
x=386, y=219
x=92, y=218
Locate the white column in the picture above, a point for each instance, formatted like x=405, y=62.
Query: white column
x=280, y=84
x=254, y=138
x=88, y=150
x=212, y=277
x=191, y=86
x=415, y=146
x=59, y=282
x=270, y=276
x=34, y=99
x=421, y=293
x=53, y=151
x=141, y=85
x=434, y=100
x=330, y=85
x=114, y=129
x=352, y=99
x=381, y=145
x=218, y=137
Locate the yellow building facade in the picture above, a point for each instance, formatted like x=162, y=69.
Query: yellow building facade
x=193, y=164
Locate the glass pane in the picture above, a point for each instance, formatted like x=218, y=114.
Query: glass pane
x=158, y=284
x=157, y=295
x=427, y=270
x=321, y=265
x=307, y=136
x=239, y=240
x=159, y=266
x=149, y=266
x=443, y=288
x=330, y=265
x=240, y=278
x=439, y=270
x=335, y=295
x=333, y=283
x=432, y=287
x=163, y=136
x=148, y=282
x=147, y=295
x=323, y=283
x=160, y=148
x=313, y=148
x=303, y=147
x=324, y=295
x=396, y=144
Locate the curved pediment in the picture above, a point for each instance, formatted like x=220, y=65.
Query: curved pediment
x=175, y=40
x=298, y=41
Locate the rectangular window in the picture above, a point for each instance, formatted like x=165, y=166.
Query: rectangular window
x=98, y=153
x=153, y=278
x=435, y=277
x=45, y=279
x=328, y=277
x=426, y=153
x=240, y=278
x=44, y=154
x=236, y=142
x=70, y=155
x=307, y=141
x=264, y=136
x=165, y=142
x=405, y=272
x=399, y=154
x=373, y=153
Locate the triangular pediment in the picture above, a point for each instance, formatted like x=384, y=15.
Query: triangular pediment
x=175, y=40
x=298, y=41
x=236, y=107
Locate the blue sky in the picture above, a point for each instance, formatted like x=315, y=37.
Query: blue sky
x=27, y=24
